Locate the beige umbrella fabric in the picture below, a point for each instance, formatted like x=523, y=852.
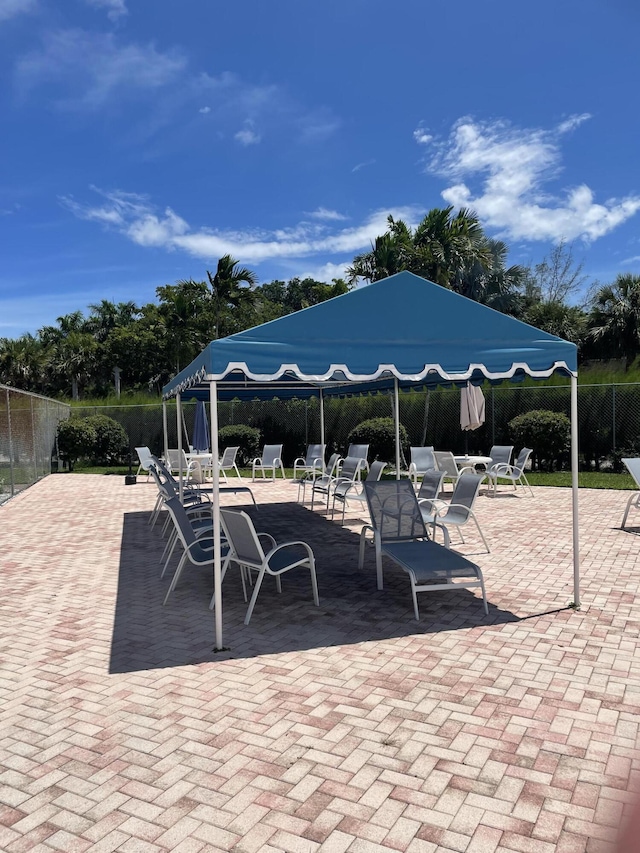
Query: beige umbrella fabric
x=471, y=407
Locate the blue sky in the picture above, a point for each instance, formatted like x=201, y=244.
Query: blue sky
x=142, y=139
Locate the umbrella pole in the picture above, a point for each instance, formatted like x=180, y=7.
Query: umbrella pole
x=179, y=426
x=165, y=432
x=322, y=424
x=574, y=491
x=215, y=508
x=396, y=417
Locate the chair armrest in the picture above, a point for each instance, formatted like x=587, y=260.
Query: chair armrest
x=502, y=468
x=434, y=502
x=268, y=536
x=438, y=511
x=467, y=468
x=287, y=545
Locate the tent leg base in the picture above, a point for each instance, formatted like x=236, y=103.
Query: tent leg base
x=217, y=650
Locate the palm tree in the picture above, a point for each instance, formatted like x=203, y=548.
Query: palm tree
x=615, y=317
x=21, y=362
x=70, y=348
x=227, y=292
x=493, y=283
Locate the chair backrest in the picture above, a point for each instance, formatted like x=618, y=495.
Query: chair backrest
x=242, y=537
x=350, y=467
x=375, y=472
x=394, y=510
x=501, y=454
x=271, y=453
x=464, y=495
x=633, y=467
x=431, y=485
x=195, y=474
x=177, y=459
x=144, y=457
x=229, y=457
x=167, y=488
x=521, y=461
x=330, y=467
x=181, y=521
x=446, y=462
x=314, y=451
x=423, y=458
x=358, y=451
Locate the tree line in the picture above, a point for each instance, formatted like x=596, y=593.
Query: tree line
x=151, y=343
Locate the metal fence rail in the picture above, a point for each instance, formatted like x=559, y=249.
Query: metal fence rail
x=609, y=419
x=28, y=428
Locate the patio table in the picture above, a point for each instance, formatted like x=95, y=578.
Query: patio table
x=472, y=461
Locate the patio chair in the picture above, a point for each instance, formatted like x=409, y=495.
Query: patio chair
x=310, y=465
x=446, y=463
x=196, y=551
x=422, y=459
x=359, y=451
x=271, y=459
x=168, y=488
x=460, y=510
x=246, y=550
x=633, y=467
x=325, y=485
x=228, y=462
x=500, y=455
x=399, y=533
x=348, y=490
x=145, y=458
x=428, y=499
x=513, y=473
x=319, y=483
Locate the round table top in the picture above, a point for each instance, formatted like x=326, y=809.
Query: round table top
x=461, y=461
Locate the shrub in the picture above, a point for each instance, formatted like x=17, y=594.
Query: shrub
x=111, y=443
x=546, y=433
x=380, y=435
x=76, y=437
x=245, y=437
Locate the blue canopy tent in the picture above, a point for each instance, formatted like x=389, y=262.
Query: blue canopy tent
x=400, y=332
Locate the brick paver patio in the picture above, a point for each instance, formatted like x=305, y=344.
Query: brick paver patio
x=344, y=727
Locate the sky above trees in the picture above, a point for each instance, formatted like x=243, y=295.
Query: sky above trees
x=144, y=139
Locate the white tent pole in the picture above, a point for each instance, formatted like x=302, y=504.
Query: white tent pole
x=215, y=504
x=396, y=415
x=179, y=426
x=322, y=424
x=165, y=432
x=574, y=490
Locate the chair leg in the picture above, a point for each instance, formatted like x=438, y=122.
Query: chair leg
x=379, y=568
x=278, y=583
x=484, y=593
x=256, y=590
x=314, y=581
x=415, y=600
x=633, y=496
x=176, y=577
x=363, y=542
x=482, y=535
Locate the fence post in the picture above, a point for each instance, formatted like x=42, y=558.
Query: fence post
x=493, y=416
x=33, y=441
x=11, y=476
x=613, y=416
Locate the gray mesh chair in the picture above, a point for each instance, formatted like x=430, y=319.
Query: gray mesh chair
x=145, y=458
x=322, y=485
x=428, y=500
x=514, y=474
x=399, y=533
x=270, y=460
x=359, y=451
x=448, y=465
x=460, y=510
x=347, y=490
x=228, y=462
x=196, y=551
x=633, y=467
x=246, y=550
x=500, y=455
x=348, y=475
x=311, y=464
x=422, y=459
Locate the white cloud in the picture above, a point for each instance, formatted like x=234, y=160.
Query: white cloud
x=359, y=166
x=327, y=272
x=573, y=122
x=11, y=8
x=421, y=136
x=134, y=216
x=327, y=215
x=204, y=110
x=116, y=8
x=247, y=136
x=95, y=66
x=511, y=166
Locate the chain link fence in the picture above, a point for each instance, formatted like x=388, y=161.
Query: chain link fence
x=609, y=419
x=28, y=429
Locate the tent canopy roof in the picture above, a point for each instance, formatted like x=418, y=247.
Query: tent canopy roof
x=402, y=327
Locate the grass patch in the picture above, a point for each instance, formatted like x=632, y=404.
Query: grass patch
x=586, y=479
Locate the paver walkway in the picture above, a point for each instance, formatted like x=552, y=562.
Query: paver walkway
x=344, y=727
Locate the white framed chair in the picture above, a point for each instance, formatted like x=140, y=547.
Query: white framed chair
x=348, y=490
x=270, y=460
x=446, y=463
x=429, y=499
x=422, y=459
x=399, y=532
x=633, y=467
x=325, y=485
x=145, y=459
x=460, y=510
x=310, y=465
x=228, y=462
x=513, y=474
x=246, y=550
x=319, y=483
x=500, y=455
x=359, y=451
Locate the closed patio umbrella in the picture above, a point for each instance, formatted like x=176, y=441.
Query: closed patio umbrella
x=200, y=429
x=471, y=407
